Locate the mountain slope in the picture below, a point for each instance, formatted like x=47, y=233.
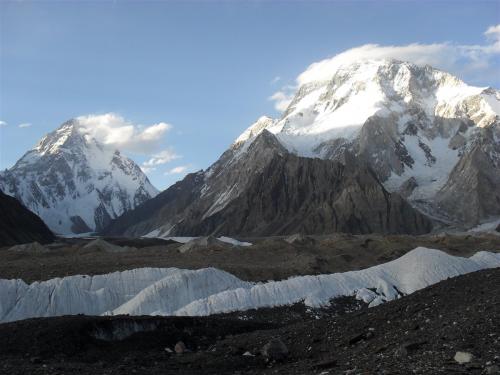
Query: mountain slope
x=265, y=190
x=428, y=137
x=413, y=125
x=20, y=225
x=472, y=191
x=75, y=183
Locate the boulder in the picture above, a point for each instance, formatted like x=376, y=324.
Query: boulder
x=300, y=239
x=180, y=347
x=275, y=350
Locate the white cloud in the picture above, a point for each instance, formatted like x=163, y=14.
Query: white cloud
x=178, y=170
x=493, y=32
x=455, y=58
x=112, y=129
x=3, y=123
x=282, y=98
x=25, y=125
x=162, y=157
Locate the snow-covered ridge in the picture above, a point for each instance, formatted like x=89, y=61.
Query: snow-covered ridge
x=407, y=121
x=338, y=107
x=207, y=291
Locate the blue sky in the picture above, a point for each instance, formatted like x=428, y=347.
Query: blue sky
x=205, y=70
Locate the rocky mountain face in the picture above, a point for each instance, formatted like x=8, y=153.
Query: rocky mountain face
x=472, y=191
x=75, y=183
x=20, y=225
x=259, y=188
x=347, y=155
x=427, y=134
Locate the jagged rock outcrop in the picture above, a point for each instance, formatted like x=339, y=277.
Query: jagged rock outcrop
x=262, y=189
x=472, y=191
x=75, y=183
x=19, y=225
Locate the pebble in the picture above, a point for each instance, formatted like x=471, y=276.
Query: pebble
x=463, y=357
x=492, y=370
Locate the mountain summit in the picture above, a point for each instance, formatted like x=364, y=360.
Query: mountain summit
x=367, y=150
x=419, y=129
x=75, y=183
x=261, y=189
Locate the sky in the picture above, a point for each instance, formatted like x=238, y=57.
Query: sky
x=172, y=84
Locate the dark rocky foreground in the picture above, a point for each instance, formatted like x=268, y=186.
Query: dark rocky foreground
x=420, y=334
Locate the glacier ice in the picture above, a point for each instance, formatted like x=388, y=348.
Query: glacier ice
x=172, y=291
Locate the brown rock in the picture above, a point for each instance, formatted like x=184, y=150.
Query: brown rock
x=180, y=348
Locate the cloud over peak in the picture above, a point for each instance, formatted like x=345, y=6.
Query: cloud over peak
x=162, y=157
x=113, y=130
x=455, y=58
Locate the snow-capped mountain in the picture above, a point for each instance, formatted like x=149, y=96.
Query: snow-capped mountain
x=420, y=129
x=75, y=183
x=344, y=156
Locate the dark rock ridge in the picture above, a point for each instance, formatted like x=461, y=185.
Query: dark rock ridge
x=19, y=225
x=261, y=189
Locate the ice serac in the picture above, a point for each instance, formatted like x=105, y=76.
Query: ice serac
x=75, y=183
x=260, y=188
x=19, y=225
x=171, y=291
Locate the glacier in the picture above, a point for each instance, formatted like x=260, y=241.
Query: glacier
x=178, y=292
